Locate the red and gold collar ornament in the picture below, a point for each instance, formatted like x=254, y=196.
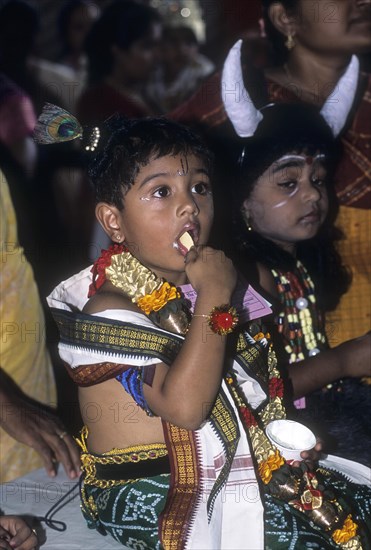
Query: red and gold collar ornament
x=161, y=301
x=99, y=267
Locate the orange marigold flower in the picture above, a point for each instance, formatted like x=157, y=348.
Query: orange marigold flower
x=273, y=462
x=347, y=532
x=158, y=298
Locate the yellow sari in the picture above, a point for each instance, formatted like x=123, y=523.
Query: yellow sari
x=23, y=353
x=352, y=317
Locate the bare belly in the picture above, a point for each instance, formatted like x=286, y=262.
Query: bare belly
x=114, y=420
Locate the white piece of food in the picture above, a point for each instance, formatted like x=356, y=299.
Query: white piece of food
x=186, y=240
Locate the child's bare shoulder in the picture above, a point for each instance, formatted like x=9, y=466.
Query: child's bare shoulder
x=106, y=299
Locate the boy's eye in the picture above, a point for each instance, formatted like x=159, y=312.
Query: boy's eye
x=161, y=192
x=201, y=188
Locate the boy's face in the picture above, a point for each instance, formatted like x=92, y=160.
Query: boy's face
x=171, y=195
x=289, y=202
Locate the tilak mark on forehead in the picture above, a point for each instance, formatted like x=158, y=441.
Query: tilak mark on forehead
x=185, y=167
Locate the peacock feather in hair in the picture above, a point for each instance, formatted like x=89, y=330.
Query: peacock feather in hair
x=55, y=125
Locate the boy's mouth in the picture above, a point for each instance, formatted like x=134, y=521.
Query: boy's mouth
x=187, y=238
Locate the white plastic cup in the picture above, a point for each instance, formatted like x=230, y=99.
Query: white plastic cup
x=290, y=438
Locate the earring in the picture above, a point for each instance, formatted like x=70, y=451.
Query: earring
x=290, y=42
x=118, y=238
x=247, y=223
x=246, y=219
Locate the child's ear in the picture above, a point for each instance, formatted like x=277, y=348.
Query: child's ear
x=109, y=218
x=245, y=207
x=281, y=20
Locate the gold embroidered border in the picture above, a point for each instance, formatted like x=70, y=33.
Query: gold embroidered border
x=184, y=487
x=226, y=427
x=123, y=338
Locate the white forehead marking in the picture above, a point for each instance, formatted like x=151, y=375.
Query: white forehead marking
x=291, y=157
x=299, y=157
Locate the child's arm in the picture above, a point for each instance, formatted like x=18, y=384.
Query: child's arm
x=350, y=359
x=183, y=393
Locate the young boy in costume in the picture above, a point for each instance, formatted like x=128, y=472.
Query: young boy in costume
x=174, y=450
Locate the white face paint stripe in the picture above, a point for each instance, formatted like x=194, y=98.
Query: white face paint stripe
x=299, y=157
x=283, y=203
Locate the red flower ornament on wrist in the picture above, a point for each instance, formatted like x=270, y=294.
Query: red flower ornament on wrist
x=222, y=319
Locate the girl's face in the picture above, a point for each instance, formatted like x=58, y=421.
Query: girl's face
x=289, y=202
x=170, y=196
x=333, y=26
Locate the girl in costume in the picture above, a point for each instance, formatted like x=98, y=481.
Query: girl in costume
x=317, y=45
x=175, y=389
x=320, y=49
x=288, y=206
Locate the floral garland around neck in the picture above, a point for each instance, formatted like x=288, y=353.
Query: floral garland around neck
x=298, y=487
x=159, y=300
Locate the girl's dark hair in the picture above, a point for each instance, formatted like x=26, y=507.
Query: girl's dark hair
x=277, y=39
x=122, y=23
x=126, y=145
x=293, y=128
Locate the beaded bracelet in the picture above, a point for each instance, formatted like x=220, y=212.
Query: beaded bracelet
x=222, y=319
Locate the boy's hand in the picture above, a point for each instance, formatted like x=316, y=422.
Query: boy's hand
x=209, y=269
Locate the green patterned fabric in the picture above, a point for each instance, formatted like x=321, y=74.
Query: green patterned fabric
x=129, y=512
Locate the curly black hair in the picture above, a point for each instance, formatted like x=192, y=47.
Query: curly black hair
x=126, y=145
